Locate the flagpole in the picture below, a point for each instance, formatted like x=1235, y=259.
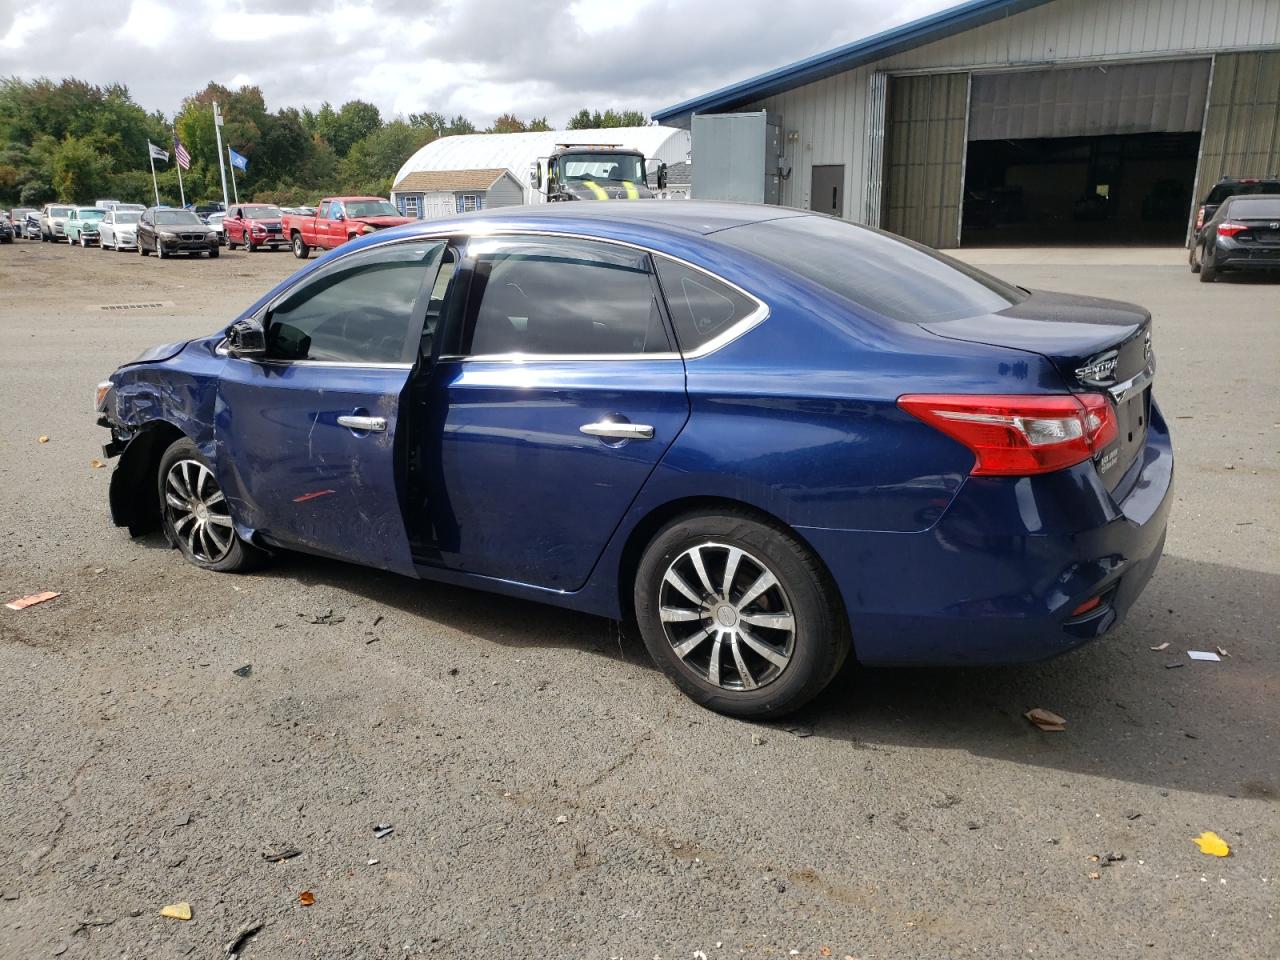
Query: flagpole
x=217, y=131
x=151, y=158
x=182, y=192
x=233, y=176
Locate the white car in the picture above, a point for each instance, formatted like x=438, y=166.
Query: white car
x=214, y=220
x=119, y=230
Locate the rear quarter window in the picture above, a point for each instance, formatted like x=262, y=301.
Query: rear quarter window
x=893, y=277
x=701, y=307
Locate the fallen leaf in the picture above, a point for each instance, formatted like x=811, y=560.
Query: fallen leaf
x=1162, y=646
x=44, y=439
x=1223, y=653
x=1046, y=720
x=30, y=601
x=96, y=463
x=825, y=951
x=1095, y=876
x=177, y=911
x=1212, y=844
x=306, y=898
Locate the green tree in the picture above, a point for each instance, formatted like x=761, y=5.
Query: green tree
x=79, y=171
x=353, y=122
x=591, y=120
x=372, y=162
x=507, y=123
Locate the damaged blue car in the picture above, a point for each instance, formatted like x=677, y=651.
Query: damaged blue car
x=773, y=438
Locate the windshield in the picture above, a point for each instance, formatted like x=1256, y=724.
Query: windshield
x=59, y=211
x=370, y=208
x=1255, y=208
x=93, y=213
x=262, y=213
x=617, y=167
x=182, y=218
x=892, y=276
x=126, y=216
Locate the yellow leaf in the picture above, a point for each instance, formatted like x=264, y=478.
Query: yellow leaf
x=96, y=463
x=306, y=898
x=44, y=439
x=177, y=911
x=1212, y=844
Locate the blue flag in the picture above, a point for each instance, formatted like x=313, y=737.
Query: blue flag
x=238, y=161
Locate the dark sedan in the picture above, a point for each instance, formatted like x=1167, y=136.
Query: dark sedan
x=167, y=232
x=775, y=439
x=1244, y=234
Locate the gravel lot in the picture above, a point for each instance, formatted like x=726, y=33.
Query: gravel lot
x=552, y=795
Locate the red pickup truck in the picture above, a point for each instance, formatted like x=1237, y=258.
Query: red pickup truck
x=338, y=220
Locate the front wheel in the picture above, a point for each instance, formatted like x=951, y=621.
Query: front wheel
x=213, y=253
x=300, y=248
x=161, y=252
x=739, y=614
x=84, y=244
x=196, y=517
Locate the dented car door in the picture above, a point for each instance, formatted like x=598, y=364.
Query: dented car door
x=306, y=437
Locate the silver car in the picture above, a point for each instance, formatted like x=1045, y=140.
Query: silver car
x=53, y=219
x=119, y=230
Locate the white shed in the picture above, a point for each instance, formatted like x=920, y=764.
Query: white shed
x=515, y=152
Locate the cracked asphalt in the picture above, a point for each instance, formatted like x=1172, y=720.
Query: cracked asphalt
x=551, y=794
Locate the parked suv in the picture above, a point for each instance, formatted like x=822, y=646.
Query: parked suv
x=53, y=220
x=167, y=232
x=255, y=225
x=1224, y=188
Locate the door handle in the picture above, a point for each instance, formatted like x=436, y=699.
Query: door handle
x=366, y=424
x=617, y=431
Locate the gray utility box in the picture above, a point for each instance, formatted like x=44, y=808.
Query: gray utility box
x=736, y=156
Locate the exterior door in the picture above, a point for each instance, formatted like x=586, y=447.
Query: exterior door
x=827, y=192
x=306, y=441
x=558, y=391
x=335, y=229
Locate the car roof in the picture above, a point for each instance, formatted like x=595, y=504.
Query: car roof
x=691, y=216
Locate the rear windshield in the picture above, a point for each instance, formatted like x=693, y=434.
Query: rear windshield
x=1223, y=190
x=891, y=276
x=1255, y=208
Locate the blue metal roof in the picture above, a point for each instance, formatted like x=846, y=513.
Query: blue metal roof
x=945, y=23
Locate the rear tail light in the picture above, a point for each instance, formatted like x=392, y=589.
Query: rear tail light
x=1020, y=435
x=1090, y=604
x=1229, y=229
x=1200, y=218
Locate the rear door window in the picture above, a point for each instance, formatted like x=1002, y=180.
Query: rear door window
x=361, y=310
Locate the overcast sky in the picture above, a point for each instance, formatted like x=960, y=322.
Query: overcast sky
x=476, y=57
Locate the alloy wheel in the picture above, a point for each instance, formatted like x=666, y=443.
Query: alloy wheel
x=197, y=511
x=727, y=617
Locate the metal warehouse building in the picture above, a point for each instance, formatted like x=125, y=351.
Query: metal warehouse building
x=1008, y=121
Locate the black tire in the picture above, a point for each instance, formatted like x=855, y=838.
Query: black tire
x=231, y=245
x=214, y=253
x=1192, y=259
x=161, y=252
x=249, y=245
x=142, y=251
x=820, y=631
x=239, y=556
x=300, y=248
x=1208, y=272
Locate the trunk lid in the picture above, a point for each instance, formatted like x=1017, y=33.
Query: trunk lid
x=1096, y=345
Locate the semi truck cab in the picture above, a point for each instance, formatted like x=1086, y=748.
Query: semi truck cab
x=594, y=172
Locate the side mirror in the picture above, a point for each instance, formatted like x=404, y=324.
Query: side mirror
x=662, y=175
x=246, y=340
x=535, y=175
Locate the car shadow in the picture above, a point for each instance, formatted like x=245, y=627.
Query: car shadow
x=1199, y=726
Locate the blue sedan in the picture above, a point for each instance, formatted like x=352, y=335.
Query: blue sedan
x=773, y=438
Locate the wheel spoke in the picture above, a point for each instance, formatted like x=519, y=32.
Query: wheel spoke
x=179, y=484
x=730, y=571
x=748, y=681
x=713, y=668
x=182, y=521
x=776, y=657
x=214, y=498
x=175, y=501
x=778, y=621
x=695, y=557
x=676, y=615
x=191, y=537
x=203, y=476
x=678, y=582
x=763, y=583
x=686, y=647
x=211, y=534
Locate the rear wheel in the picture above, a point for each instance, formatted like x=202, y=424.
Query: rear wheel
x=1208, y=272
x=1193, y=257
x=196, y=517
x=739, y=614
x=300, y=248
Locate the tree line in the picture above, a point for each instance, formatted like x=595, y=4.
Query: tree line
x=73, y=141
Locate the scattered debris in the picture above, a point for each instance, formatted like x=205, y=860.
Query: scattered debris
x=324, y=619
x=1161, y=646
x=44, y=439
x=824, y=951
x=800, y=731
x=306, y=898
x=278, y=855
x=177, y=911
x=1173, y=666
x=453, y=671
x=242, y=937
x=1095, y=876
x=757, y=740
x=1106, y=859
x=1222, y=653
x=1212, y=844
x=1132, y=814
x=1203, y=655
x=371, y=862
x=30, y=601
x=383, y=830
x=372, y=640
x=96, y=464
x=1228, y=466
x=378, y=619
x=1046, y=720
x=973, y=825
x=244, y=671
x=562, y=819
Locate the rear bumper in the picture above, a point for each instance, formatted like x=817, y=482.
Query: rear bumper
x=1234, y=255
x=996, y=579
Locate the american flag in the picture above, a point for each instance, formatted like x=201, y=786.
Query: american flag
x=179, y=151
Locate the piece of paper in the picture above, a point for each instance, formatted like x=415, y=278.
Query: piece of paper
x=1203, y=655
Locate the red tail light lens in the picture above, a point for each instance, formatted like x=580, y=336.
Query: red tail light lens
x=1229, y=229
x=1200, y=218
x=1020, y=435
